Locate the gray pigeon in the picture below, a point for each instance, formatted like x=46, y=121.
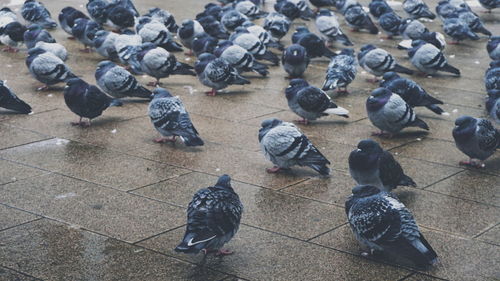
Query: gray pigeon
x=382, y=223
x=328, y=25
x=216, y=73
x=67, y=18
x=240, y=58
x=127, y=45
x=165, y=17
x=7, y=16
x=47, y=68
x=35, y=33
x=429, y=59
x=86, y=100
x=9, y=100
x=476, y=138
x=492, y=76
x=159, y=63
x=231, y=19
x=390, y=113
x=295, y=60
x=341, y=71
x=490, y=4
x=474, y=22
x=12, y=35
x=188, y=31
x=104, y=43
x=377, y=61
x=357, y=18
x=277, y=24
x=157, y=33
x=369, y=164
x=418, y=9
x=118, y=82
x=213, y=218
x=285, y=146
x=55, y=48
x=458, y=30
x=84, y=30
x=35, y=12
x=493, y=104
x=413, y=29
x=252, y=43
x=249, y=9
x=493, y=47
x=171, y=119
x=310, y=102
x=264, y=36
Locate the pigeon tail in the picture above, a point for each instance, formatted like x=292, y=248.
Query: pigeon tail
x=427, y=14
x=370, y=26
x=402, y=69
x=274, y=44
x=407, y=181
x=337, y=110
x=343, y=39
x=419, y=123
x=238, y=80
x=269, y=56
x=472, y=35
x=187, y=246
x=18, y=106
x=484, y=31
x=426, y=255
x=321, y=169
x=172, y=46
x=142, y=92
x=450, y=69
x=328, y=53
x=183, y=69
x=330, y=84
x=192, y=140
x=260, y=68
x=434, y=108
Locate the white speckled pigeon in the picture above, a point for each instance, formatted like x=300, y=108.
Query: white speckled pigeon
x=341, y=71
x=285, y=146
x=47, y=68
x=381, y=222
x=370, y=164
x=118, y=82
x=9, y=100
x=493, y=104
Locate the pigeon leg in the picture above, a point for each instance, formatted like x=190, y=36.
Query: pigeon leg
x=78, y=123
x=373, y=80
x=223, y=252
x=9, y=49
x=43, y=88
x=303, y=121
x=189, y=53
x=342, y=91
x=329, y=44
x=273, y=170
x=367, y=254
x=71, y=37
x=211, y=93
x=164, y=139
x=354, y=30
x=473, y=164
x=154, y=83
x=87, y=49
x=387, y=37
x=85, y=124
x=454, y=42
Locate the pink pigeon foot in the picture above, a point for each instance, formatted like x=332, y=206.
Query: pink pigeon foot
x=303, y=121
x=473, y=164
x=273, y=170
x=9, y=49
x=382, y=134
x=223, y=252
x=164, y=139
x=211, y=93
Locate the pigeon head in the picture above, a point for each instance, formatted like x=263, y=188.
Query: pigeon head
x=369, y=146
x=91, y=29
x=161, y=93
x=187, y=24
x=378, y=99
x=295, y=54
x=347, y=52
x=100, y=34
x=144, y=19
x=364, y=50
x=270, y=123
x=222, y=46
x=103, y=67
x=248, y=24
x=389, y=76
x=75, y=82
x=465, y=121
x=417, y=43
x=202, y=62
x=5, y=9
x=362, y=191
x=366, y=155
x=465, y=127
x=301, y=29
x=34, y=27
x=294, y=86
x=224, y=181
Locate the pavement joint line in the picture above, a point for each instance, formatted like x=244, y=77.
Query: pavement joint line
x=263, y=115
x=27, y=222
x=486, y=230
x=28, y=143
x=328, y=231
x=19, y=209
x=158, y=234
x=161, y=181
x=293, y=184
x=408, y=276
x=22, y=273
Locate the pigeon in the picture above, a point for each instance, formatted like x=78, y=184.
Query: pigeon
x=446, y=10
x=84, y=30
x=12, y=35
x=7, y=16
x=391, y=24
x=263, y=35
x=295, y=60
x=294, y=9
x=378, y=8
x=155, y=32
x=216, y=73
x=231, y=19
x=188, y=30
x=104, y=43
x=120, y=17
x=305, y=11
x=118, y=82
x=240, y=58
x=378, y=61
x=341, y=71
x=204, y=43
x=476, y=138
x=310, y=102
x=458, y=30
x=343, y=5
x=434, y=38
x=412, y=93
x=356, y=17
x=492, y=76
x=473, y=21
x=328, y=25
x=159, y=63
x=493, y=47
x=285, y=146
x=213, y=27
x=170, y=119
x=412, y=29
x=252, y=43
x=277, y=24
x=164, y=17
x=417, y=9
x=47, y=68
x=493, y=104
x=55, y=48
x=490, y=4
x=382, y=223
x=390, y=113
x=9, y=100
x=213, y=218
x=127, y=4
x=211, y=9
x=322, y=3
x=314, y=45
x=35, y=33
x=127, y=46
x=67, y=18
x=35, y=12
x=98, y=11
x=369, y=164
x=429, y=59
x=86, y=100
x=249, y=9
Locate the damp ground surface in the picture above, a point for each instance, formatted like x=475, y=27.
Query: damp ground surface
x=106, y=203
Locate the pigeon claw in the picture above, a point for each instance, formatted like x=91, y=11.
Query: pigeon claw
x=9, y=49
x=342, y=91
x=382, y=134
x=303, y=121
x=372, y=80
x=154, y=83
x=71, y=37
x=273, y=170
x=454, y=42
x=223, y=252
x=164, y=140
x=211, y=93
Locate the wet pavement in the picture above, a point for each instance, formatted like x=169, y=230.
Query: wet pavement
x=106, y=203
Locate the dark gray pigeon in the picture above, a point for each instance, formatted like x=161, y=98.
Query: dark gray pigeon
x=412, y=93
x=357, y=18
x=390, y=113
x=328, y=25
x=204, y=43
x=9, y=100
x=382, y=223
x=216, y=73
x=477, y=138
x=213, y=218
x=429, y=59
x=277, y=24
x=369, y=164
x=378, y=8
x=310, y=102
x=86, y=101
x=188, y=31
x=120, y=16
x=35, y=33
x=315, y=46
x=157, y=33
x=118, y=82
x=285, y=146
x=35, y=12
x=240, y=58
x=418, y=9
x=341, y=71
x=493, y=104
x=98, y=11
x=378, y=61
x=84, y=30
x=47, y=68
x=55, y=48
x=213, y=27
x=474, y=22
x=490, y=4
x=165, y=17
x=343, y=5
x=391, y=24
x=458, y=30
x=492, y=76
x=67, y=18
x=295, y=60
x=159, y=63
x=104, y=43
x=445, y=10
x=171, y=119
x=294, y=9
x=493, y=47
x=12, y=35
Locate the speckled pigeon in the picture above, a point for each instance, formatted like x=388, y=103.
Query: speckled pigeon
x=492, y=76
x=493, y=104
x=341, y=71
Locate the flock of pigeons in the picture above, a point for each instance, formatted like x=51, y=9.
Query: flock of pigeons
x=227, y=43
